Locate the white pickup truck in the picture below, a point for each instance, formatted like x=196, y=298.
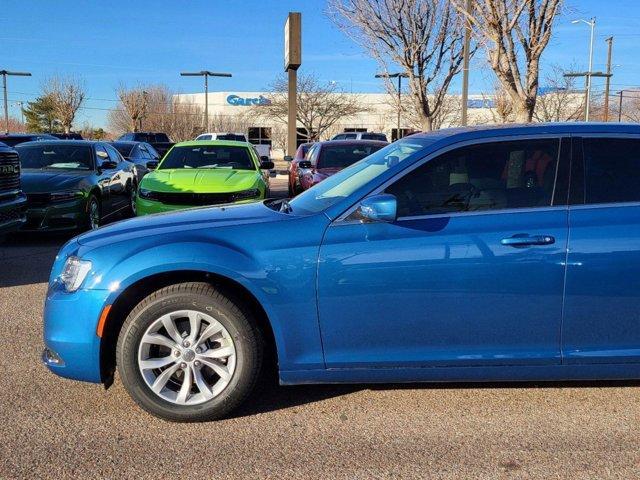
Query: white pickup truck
x=263, y=150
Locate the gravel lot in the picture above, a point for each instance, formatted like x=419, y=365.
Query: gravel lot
x=55, y=428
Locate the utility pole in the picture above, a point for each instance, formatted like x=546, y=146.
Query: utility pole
x=20, y=104
x=465, y=65
x=4, y=74
x=592, y=24
x=607, y=84
x=206, y=74
x=588, y=76
x=399, y=76
x=620, y=107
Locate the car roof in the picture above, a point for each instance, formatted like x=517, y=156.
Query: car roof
x=488, y=131
x=225, y=143
x=26, y=135
x=63, y=142
x=125, y=142
x=352, y=142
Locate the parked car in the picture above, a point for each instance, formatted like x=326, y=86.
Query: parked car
x=68, y=136
x=264, y=150
x=74, y=184
x=142, y=154
x=327, y=158
x=200, y=173
x=292, y=170
x=160, y=141
x=13, y=139
x=381, y=137
x=13, y=201
x=507, y=253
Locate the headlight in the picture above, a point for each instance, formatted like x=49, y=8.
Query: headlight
x=245, y=194
x=74, y=272
x=144, y=193
x=65, y=195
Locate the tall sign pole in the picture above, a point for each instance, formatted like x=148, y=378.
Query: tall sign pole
x=608, y=80
x=465, y=66
x=292, y=61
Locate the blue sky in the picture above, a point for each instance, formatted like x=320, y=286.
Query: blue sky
x=133, y=42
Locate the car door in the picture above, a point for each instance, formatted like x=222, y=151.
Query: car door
x=104, y=178
x=602, y=306
x=470, y=273
x=121, y=178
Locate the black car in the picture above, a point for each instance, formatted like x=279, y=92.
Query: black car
x=160, y=141
x=142, y=154
x=75, y=184
x=68, y=136
x=12, y=201
x=13, y=139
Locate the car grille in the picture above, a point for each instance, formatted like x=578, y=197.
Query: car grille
x=9, y=172
x=194, y=198
x=38, y=199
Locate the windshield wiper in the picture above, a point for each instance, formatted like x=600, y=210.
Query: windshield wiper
x=285, y=207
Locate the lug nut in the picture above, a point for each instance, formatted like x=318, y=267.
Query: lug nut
x=197, y=363
x=176, y=353
x=186, y=343
x=183, y=365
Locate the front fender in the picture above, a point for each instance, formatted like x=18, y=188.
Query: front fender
x=282, y=279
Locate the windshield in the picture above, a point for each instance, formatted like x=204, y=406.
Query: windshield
x=344, y=183
x=123, y=148
x=341, y=156
x=231, y=136
x=209, y=156
x=68, y=157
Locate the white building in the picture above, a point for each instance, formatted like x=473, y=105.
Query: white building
x=231, y=111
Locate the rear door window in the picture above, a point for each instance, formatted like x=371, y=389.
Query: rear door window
x=611, y=170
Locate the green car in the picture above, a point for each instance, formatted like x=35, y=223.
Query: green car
x=204, y=173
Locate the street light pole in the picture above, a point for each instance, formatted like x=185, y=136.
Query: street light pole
x=592, y=24
x=4, y=74
x=206, y=74
x=399, y=76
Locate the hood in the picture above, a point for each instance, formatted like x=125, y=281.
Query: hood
x=41, y=181
x=181, y=222
x=200, y=180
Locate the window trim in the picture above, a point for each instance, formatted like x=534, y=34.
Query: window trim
x=343, y=219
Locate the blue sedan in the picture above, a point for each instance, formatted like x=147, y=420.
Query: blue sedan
x=481, y=254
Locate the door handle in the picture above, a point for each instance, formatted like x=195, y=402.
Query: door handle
x=524, y=240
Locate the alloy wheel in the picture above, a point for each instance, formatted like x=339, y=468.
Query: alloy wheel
x=94, y=215
x=186, y=357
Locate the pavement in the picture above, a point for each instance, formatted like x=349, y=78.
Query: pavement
x=56, y=428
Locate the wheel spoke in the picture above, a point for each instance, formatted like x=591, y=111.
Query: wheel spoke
x=185, y=389
x=220, y=352
x=200, y=383
x=170, y=327
x=220, y=369
x=194, y=326
x=158, y=339
x=154, y=363
x=213, y=328
x=163, y=378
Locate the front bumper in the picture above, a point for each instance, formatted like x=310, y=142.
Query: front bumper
x=61, y=216
x=12, y=212
x=72, y=347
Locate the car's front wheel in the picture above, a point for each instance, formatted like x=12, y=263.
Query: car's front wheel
x=94, y=213
x=188, y=353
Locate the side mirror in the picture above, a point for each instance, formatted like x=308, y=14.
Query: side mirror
x=378, y=208
x=264, y=158
x=304, y=164
x=152, y=165
x=266, y=164
x=288, y=158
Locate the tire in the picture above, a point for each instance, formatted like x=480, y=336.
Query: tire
x=291, y=194
x=92, y=222
x=239, y=334
x=131, y=209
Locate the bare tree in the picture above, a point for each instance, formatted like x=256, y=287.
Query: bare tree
x=67, y=95
x=320, y=105
x=424, y=38
x=500, y=105
x=514, y=33
x=155, y=108
x=561, y=101
x=220, y=122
